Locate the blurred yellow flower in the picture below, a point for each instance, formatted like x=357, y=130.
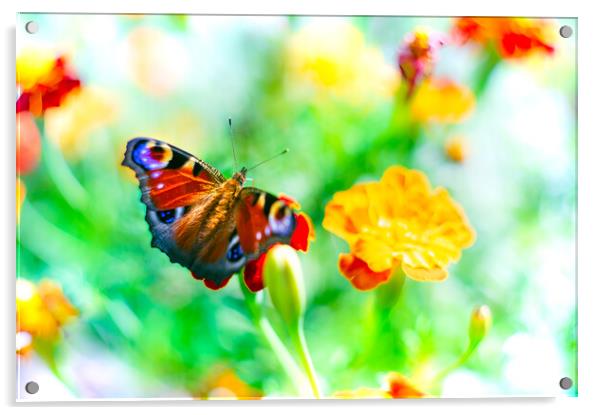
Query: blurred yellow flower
x=83, y=112
x=397, y=222
x=42, y=309
x=442, y=101
x=33, y=66
x=21, y=191
x=456, y=149
x=44, y=80
x=224, y=383
x=398, y=387
x=334, y=57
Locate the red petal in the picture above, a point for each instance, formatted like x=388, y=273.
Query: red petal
x=215, y=286
x=253, y=274
x=303, y=233
x=359, y=274
x=211, y=284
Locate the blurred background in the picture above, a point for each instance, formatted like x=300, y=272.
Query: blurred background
x=486, y=109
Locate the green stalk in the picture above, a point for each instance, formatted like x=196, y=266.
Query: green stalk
x=438, y=379
x=60, y=173
x=298, y=338
x=264, y=326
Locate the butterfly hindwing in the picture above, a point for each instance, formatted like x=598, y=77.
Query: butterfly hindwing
x=262, y=220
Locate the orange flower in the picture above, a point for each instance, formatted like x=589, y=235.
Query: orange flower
x=42, y=309
x=397, y=222
x=399, y=387
x=456, y=149
x=44, y=80
x=443, y=101
x=224, y=383
x=416, y=58
x=511, y=37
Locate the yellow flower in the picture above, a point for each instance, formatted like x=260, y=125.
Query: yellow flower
x=398, y=387
x=456, y=149
x=21, y=191
x=397, y=222
x=82, y=113
x=443, y=101
x=334, y=57
x=224, y=383
x=33, y=66
x=42, y=309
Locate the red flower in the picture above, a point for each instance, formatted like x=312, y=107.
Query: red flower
x=511, y=37
x=49, y=89
x=29, y=144
x=416, y=58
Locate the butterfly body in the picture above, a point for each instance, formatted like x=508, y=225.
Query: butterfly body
x=209, y=224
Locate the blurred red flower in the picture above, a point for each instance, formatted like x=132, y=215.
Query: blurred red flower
x=416, y=58
x=43, y=85
x=511, y=37
x=29, y=144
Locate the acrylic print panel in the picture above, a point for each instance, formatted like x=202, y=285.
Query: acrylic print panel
x=417, y=240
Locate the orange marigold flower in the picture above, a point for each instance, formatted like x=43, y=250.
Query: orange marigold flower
x=398, y=387
x=44, y=81
x=416, y=58
x=442, y=101
x=42, y=309
x=511, y=37
x=224, y=383
x=397, y=222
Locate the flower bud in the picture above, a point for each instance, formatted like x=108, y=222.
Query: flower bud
x=480, y=323
x=283, y=278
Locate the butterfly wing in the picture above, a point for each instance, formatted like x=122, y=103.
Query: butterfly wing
x=173, y=183
x=262, y=220
x=169, y=177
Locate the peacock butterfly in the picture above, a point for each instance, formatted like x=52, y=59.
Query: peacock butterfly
x=209, y=224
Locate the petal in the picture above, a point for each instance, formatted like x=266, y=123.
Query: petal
x=303, y=233
x=401, y=387
x=359, y=274
x=375, y=253
x=210, y=283
x=347, y=213
x=216, y=286
x=253, y=273
x=424, y=274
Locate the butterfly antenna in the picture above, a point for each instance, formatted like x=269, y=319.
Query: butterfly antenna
x=233, y=146
x=286, y=150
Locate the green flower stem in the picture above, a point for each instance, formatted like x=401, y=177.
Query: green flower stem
x=269, y=334
x=60, y=173
x=298, y=338
x=438, y=379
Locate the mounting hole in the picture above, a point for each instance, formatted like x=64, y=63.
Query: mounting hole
x=31, y=27
x=32, y=388
x=566, y=31
x=566, y=383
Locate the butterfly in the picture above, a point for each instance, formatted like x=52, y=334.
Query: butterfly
x=209, y=224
